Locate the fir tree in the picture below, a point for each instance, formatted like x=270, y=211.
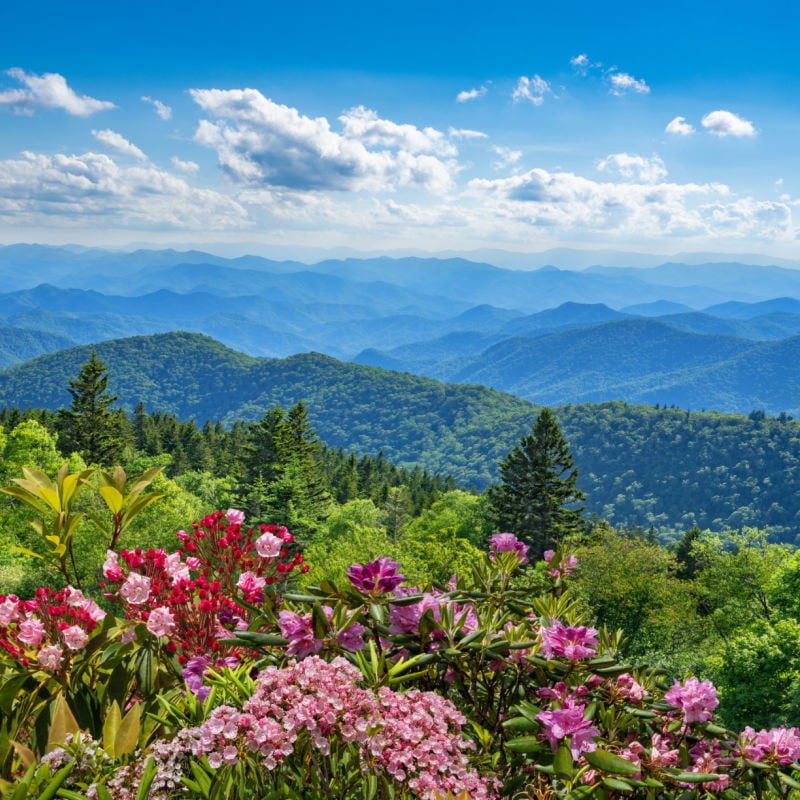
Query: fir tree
x=90, y=427
x=538, y=498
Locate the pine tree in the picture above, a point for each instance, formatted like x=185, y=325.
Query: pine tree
x=538, y=499
x=90, y=427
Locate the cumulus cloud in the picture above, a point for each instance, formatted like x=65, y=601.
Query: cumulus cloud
x=507, y=157
x=185, y=166
x=623, y=83
x=566, y=202
x=365, y=125
x=80, y=189
x=48, y=91
x=532, y=90
x=260, y=142
x=633, y=167
x=163, y=110
x=679, y=127
x=726, y=123
x=580, y=63
x=470, y=94
x=116, y=141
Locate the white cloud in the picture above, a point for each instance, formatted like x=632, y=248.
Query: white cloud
x=465, y=133
x=532, y=90
x=116, y=141
x=364, y=125
x=622, y=83
x=79, y=190
x=163, y=110
x=470, y=94
x=48, y=91
x=507, y=157
x=633, y=167
x=679, y=127
x=726, y=123
x=185, y=166
x=580, y=63
x=262, y=143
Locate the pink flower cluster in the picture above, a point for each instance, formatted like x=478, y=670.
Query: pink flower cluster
x=564, y=568
x=406, y=618
x=695, y=699
x=377, y=577
x=568, y=721
x=298, y=630
x=508, y=543
x=413, y=738
x=48, y=630
x=574, y=643
x=778, y=745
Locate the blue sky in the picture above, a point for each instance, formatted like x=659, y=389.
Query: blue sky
x=414, y=127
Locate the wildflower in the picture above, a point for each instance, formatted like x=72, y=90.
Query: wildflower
x=573, y=643
x=377, y=577
x=136, y=589
x=75, y=637
x=508, y=543
x=299, y=632
x=50, y=657
x=9, y=610
x=268, y=545
x=695, y=699
x=161, y=622
x=781, y=745
x=31, y=631
x=234, y=516
x=568, y=721
x=564, y=568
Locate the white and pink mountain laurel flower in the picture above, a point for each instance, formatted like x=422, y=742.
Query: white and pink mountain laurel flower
x=176, y=569
x=112, y=569
x=268, y=545
x=136, y=589
x=250, y=583
x=9, y=610
x=234, y=516
x=193, y=562
x=50, y=657
x=161, y=621
x=31, y=631
x=75, y=637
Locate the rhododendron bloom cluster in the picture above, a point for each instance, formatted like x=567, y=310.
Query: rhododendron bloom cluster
x=508, y=543
x=377, y=577
x=298, y=630
x=564, y=568
x=49, y=629
x=413, y=737
x=779, y=745
x=568, y=721
x=406, y=618
x=574, y=643
x=695, y=699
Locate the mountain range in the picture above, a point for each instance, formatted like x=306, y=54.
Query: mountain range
x=716, y=335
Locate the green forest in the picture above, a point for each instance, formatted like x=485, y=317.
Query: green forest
x=721, y=604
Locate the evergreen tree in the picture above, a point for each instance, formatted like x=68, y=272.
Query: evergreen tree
x=538, y=498
x=90, y=427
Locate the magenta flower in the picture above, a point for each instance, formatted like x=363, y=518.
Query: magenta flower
x=573, y=643
x=299, y=632
x=564, y=568
x=377, y=577
x=268, y=545
x=569, y=721
x=508, y=543
x=781, y=745
x=695, y=699
x=31, y=631
x=234, y=516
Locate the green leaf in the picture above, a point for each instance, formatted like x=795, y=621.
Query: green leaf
x=524, y=744
x=562, y=763
x=148, y=775
x=15, y=548
x=694, y=777
x=110, y=728
x=55, y=782
x=129, y=729
x=617, y=784
x=62, y=725
x=788, y=781
x=113, y=498
x=610, y=762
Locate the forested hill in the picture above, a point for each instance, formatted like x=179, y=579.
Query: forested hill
x=639, y=465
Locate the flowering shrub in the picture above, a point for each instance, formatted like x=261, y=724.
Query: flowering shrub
x=233, y=686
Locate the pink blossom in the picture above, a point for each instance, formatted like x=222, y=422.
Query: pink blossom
x=695, y=699
x=628, y=688
x=136, y=589
x=50, y=657
x=299, y=632
x=193, y=562
x=75, y=637
x=161, y=622
x=268, y=545
x=251, y=585
x=176, y=569
x=573, y=643
x=569, y=721
x=234, y=516
x=31, y=631
x=564, y=568
x=781, y=745
x=377, y=577
x=508, y=543
x=112, y=569
x=9, y=610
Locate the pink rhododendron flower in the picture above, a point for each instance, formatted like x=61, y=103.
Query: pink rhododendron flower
x=161, y=622
x=628, y=688
x=564, y=568
x=31, y=631
x=695, y=699
x=568, y=721
x=780, y=745
x=508, y=543
x=75, y=637
x=50, y=657
x=268, y=545
x=299, y=632
x=136, y=589
x=573, y=643
x=377, y=577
